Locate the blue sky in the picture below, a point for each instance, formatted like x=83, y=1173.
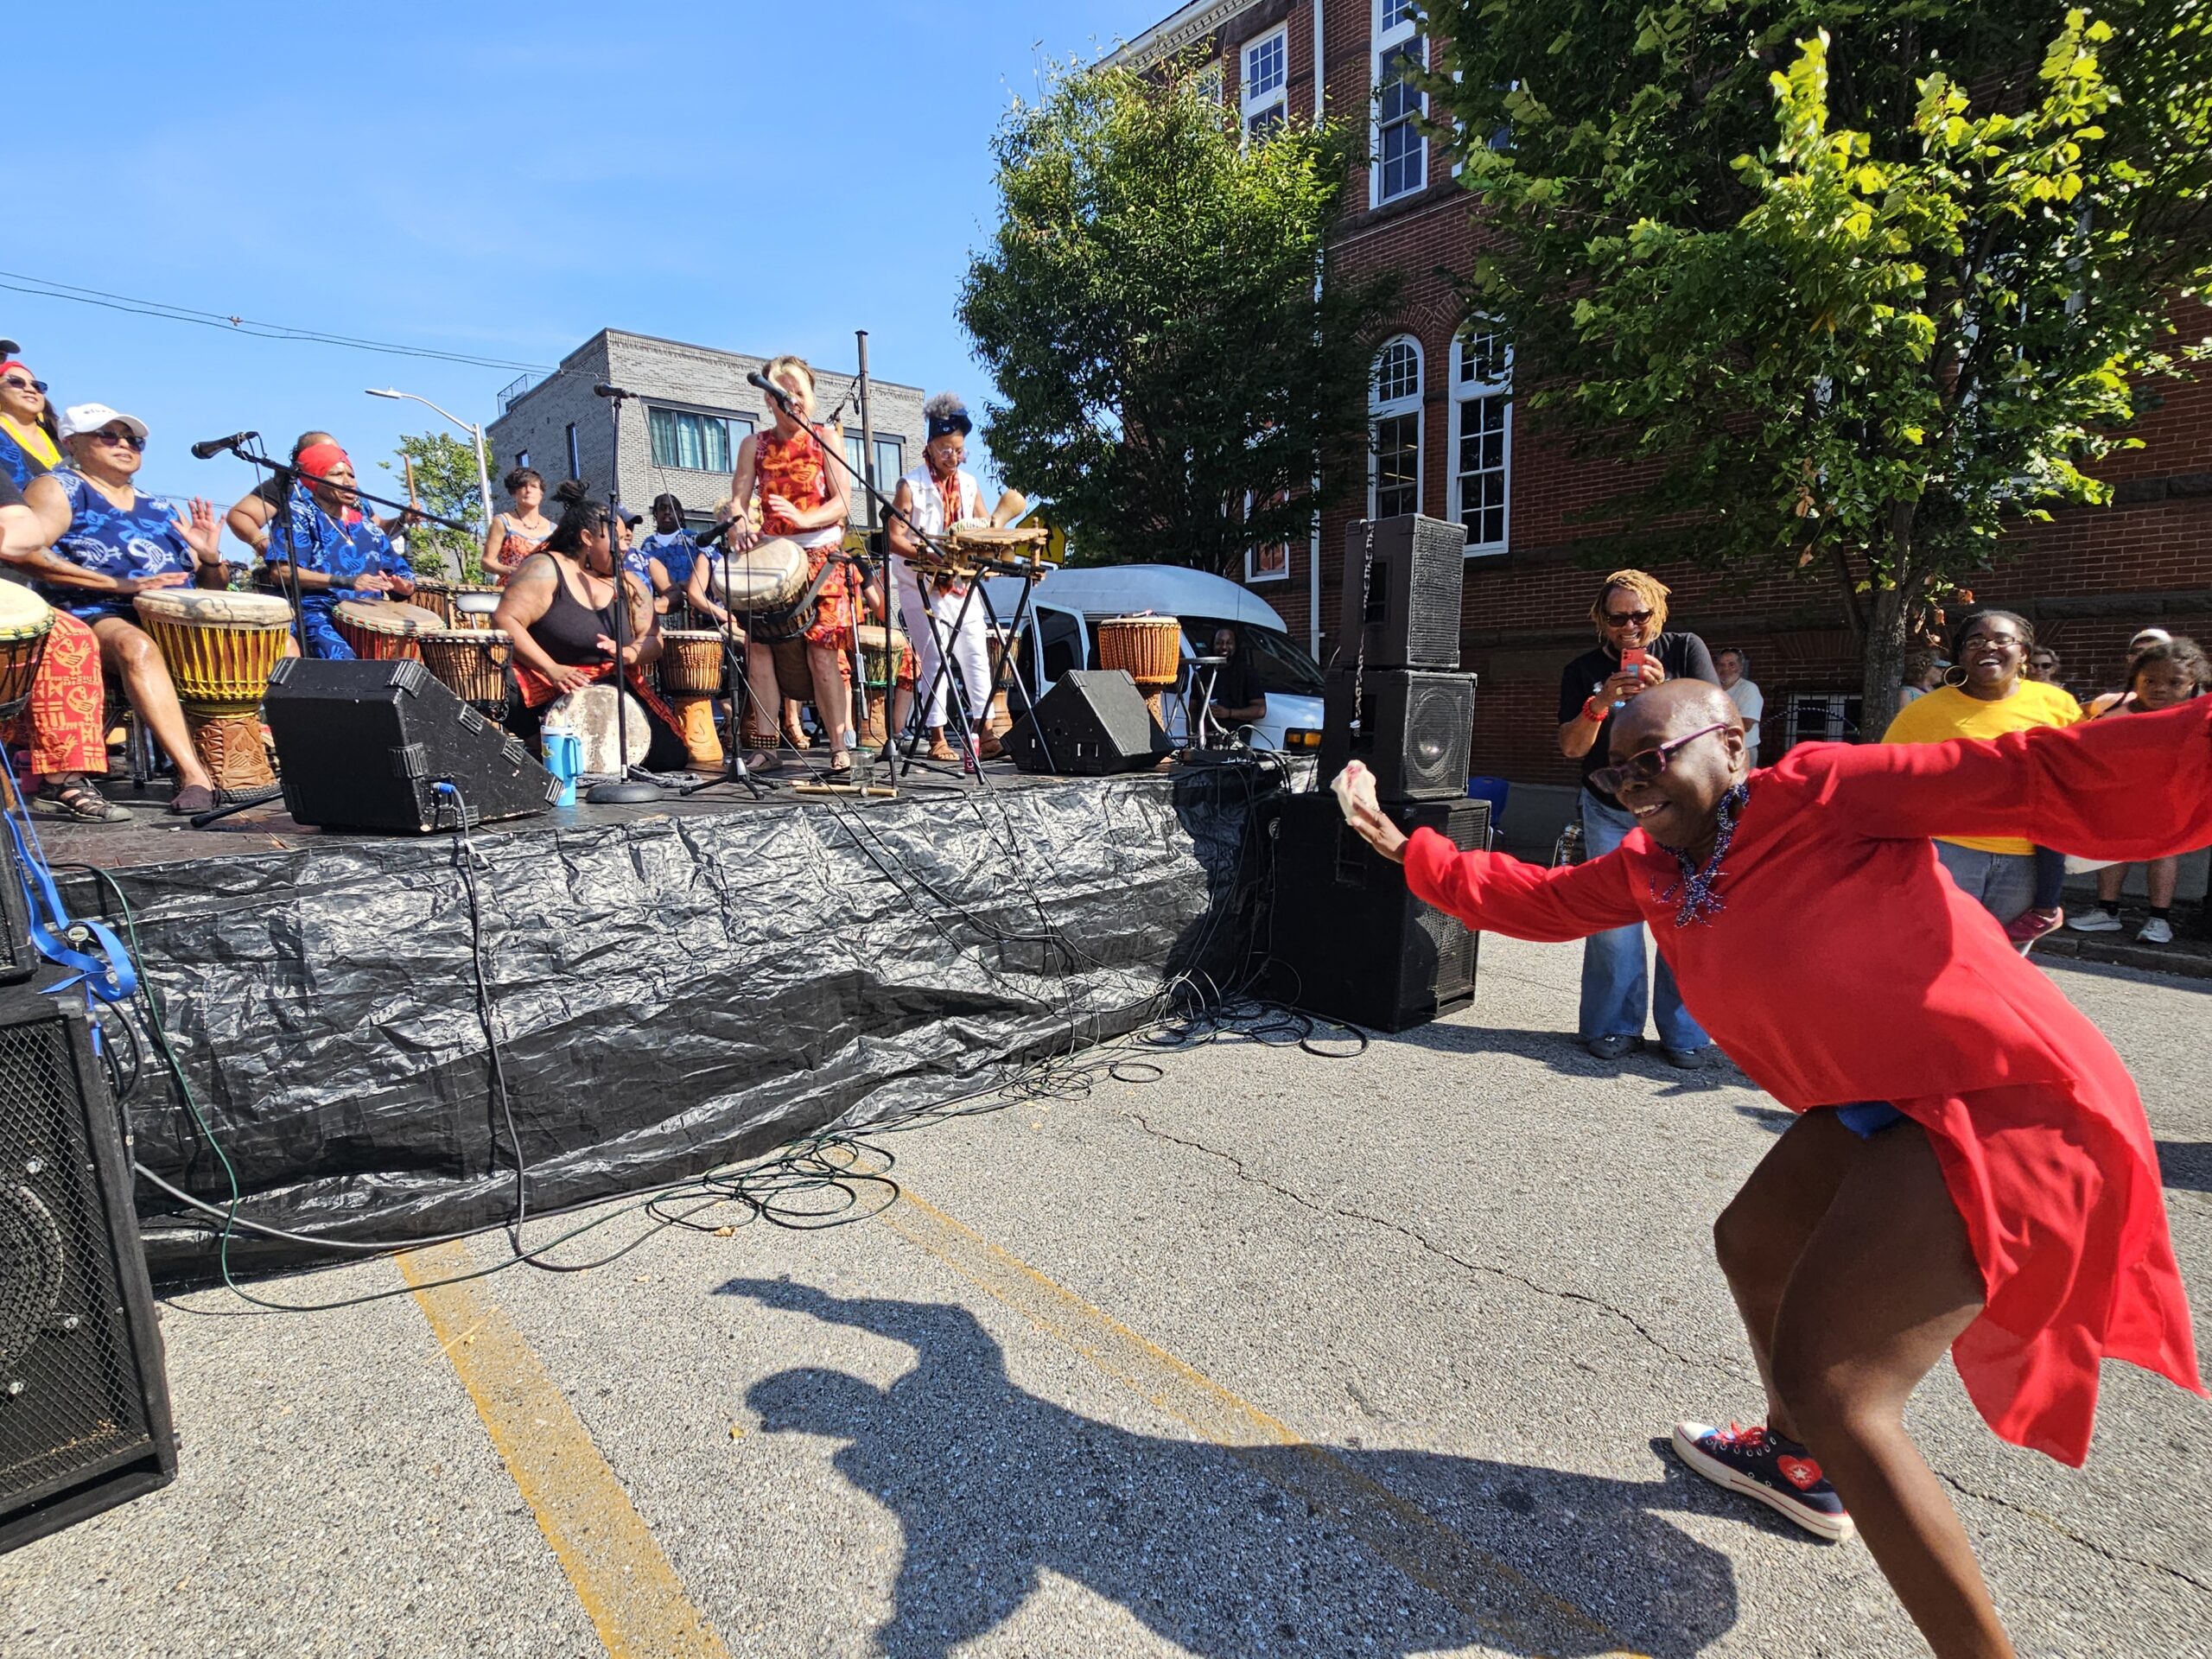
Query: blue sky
x=499, y=181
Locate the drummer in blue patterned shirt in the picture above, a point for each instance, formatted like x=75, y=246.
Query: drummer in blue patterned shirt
x=342, y=553
x=671, y=544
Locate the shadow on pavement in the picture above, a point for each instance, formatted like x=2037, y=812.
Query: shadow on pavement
x=1563, y=1053
x=993, y=1486
x=2187, y=1165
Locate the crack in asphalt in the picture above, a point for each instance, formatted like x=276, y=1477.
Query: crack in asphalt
x=2070, y=1535
x=1415, y=1235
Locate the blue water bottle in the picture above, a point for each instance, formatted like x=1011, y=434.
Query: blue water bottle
x=564, y=758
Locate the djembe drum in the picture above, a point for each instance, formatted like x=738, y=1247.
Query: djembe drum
x=445, y=599
x=25, y=622
x=383, y=630
x=1150, y=648
x=472, y=664
x=590, y=712
x=880, y=669
x=220, y=649
x=693, y=673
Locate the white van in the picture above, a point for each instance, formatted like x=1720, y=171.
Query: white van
x=1069, y=603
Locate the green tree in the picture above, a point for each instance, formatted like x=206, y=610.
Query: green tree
x=1175, y=366
x=1857, y=300
x=445, y=484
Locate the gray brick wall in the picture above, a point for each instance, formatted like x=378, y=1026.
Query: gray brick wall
x=667, y=374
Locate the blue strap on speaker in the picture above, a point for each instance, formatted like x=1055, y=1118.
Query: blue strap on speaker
x=106, y=971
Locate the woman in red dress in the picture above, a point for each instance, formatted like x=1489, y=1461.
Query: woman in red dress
x=1971, y=1168
x=803, y=499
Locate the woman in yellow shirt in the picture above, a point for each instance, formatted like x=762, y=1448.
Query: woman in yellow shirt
x=1987, y=694
x=29, y=441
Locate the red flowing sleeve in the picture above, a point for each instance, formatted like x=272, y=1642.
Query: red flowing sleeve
x=2130, y=787
x=1503, y=895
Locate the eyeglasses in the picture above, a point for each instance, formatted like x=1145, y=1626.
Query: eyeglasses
x=1985, y=641
x=1645, y=765
x=21, y=385
x=1622, y=619
x=128, y=440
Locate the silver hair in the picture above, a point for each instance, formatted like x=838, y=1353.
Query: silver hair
x=945, y=406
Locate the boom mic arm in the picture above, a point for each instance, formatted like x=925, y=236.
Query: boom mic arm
x=208, y=449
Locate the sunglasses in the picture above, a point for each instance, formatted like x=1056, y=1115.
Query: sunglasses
x=126, y=439
x=21, y=385
x=1645, y=765
x=1622, y=619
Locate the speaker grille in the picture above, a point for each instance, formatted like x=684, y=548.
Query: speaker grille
x=1438, y=580
x=70, y=1394
x=1438, y=734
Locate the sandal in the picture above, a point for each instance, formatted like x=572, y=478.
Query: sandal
x=841, y=763
x=193, y=798
x=76, y=800
x=941, y=750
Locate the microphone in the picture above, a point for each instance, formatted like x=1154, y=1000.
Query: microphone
x=603, y=390
x=706, y=539
x=208, y=449
x=757, y=378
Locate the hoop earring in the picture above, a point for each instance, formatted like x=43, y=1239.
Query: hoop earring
x=1961, y=672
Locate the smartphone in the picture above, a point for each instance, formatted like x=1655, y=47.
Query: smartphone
x=1633, y=660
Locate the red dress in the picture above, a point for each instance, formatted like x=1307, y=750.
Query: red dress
x=1846, y=966
x=799, y=472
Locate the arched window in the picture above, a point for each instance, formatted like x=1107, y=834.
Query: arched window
x=1482, y=434
x=1393, y=472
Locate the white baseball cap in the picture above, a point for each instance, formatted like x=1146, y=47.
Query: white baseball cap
x=80, y=418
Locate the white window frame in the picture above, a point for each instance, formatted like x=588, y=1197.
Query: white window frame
x=1380, y=408
x=1211, y=81
x=1387, y=39
x=1252, y=574
x=1251, y=106
x=1465, y=394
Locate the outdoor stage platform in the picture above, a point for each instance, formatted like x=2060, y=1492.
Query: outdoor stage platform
x=676, y=986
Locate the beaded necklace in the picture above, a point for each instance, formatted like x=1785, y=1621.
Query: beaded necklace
x=1692, y=890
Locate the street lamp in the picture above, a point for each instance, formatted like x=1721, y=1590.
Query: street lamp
x=483, y=469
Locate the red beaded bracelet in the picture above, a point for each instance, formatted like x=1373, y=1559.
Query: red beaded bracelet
x=1593, y=714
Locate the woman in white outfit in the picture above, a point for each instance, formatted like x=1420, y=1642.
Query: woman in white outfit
x=936, y=496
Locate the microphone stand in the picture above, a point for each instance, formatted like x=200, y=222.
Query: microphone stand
x=623, y=789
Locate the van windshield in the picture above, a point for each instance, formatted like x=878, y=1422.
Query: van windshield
x=1283, y=666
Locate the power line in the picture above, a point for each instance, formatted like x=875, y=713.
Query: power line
x=45, y=288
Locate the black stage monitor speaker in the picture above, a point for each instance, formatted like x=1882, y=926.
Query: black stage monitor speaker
x=84, y=1405
x=364, y=746
x=1416, y=730
x=1345, y=939
x=1405, y=592
x=1092, y=722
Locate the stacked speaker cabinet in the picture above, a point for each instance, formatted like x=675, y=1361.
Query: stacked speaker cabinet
x=1395, y=701
x=1092, y=723
x=84, y=1406
x=1347, y=940
x=1404, y=577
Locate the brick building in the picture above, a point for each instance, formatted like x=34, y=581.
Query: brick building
x=690, y=409
x=1445, y=441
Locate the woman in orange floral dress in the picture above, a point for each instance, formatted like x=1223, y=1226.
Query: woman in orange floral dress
x=803, y=499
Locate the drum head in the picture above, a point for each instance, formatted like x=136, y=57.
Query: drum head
x=386, y=616
x=765, y=577
x=476, y=602
x=21, y=611
x=212, y=608
x=871, y=638
x=589, y=712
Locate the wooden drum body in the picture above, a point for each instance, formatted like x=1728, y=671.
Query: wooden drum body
x=693, y=673
x=383, y=630
x=220, y=649
x=472, y=664
x=880, y=668
x=25, y=620
x=458, y=604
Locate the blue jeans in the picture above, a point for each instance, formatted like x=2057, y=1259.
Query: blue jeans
x=2003, y=884
x=1614, y=973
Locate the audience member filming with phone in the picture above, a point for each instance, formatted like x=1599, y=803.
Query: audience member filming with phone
x=1634, y=652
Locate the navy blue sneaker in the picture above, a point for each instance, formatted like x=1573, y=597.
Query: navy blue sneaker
x=1761, y=1464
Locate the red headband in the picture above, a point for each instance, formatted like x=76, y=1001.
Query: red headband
x=317, y=459
x=16, y=362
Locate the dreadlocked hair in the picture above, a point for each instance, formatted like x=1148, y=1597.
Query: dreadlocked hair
x=1650, y=592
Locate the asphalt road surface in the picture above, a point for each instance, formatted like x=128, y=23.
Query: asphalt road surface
x=1272, y=1354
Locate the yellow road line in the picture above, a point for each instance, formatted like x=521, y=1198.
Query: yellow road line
x=626, y=1583
x=1495, y=1596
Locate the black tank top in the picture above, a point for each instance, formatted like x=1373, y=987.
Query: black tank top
x=569, y=632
